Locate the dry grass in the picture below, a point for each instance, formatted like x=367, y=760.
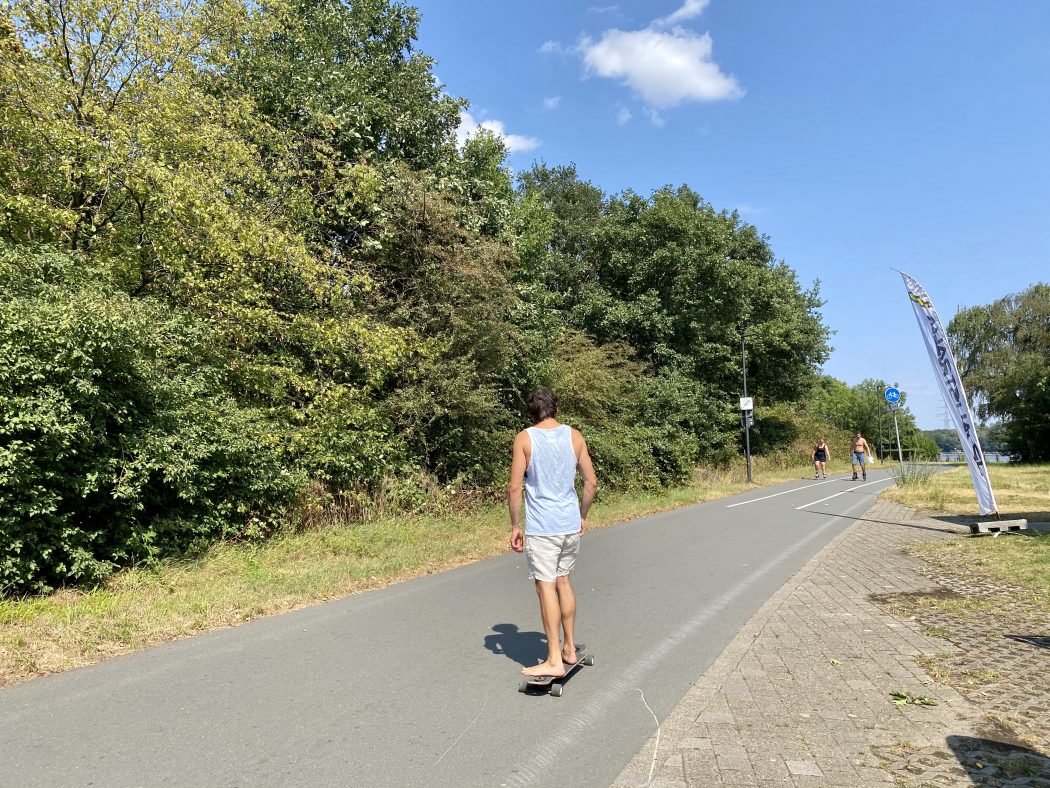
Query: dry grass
x=1022, y=560
x=234, y=583
x=1020, y=491
x=942, y=670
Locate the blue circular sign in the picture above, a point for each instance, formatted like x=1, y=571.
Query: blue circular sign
x=893, y=395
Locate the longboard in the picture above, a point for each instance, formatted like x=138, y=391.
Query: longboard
x=555, y=684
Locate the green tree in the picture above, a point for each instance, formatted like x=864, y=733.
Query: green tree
x=672, y=280
x=135, y=146
x=946, y=440
x=1003, y=354
x=118, y=442
x=271, y=258
x=862, y=408
x=675, y=280
x=448, y=286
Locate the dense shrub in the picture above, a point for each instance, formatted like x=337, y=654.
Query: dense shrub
x=922, y=447
x=116, y=441
x=279, y=277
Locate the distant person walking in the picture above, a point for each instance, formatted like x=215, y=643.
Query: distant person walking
x=544, y=460
x=821, y=454
x=860, y=448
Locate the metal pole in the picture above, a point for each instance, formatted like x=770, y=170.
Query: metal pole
x=881, y=411
x=743, y=360
x=876, y=413
x=743, y=414
x=900, y=457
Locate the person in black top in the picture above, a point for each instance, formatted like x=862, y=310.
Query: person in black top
x=821, y=454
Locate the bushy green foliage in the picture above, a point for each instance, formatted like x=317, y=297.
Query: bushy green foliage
x=862, y=408
x=922, y=447
x=116, y=440
x=633, y=438
x=658, y=289
x=1003, y=352
x=993, y=438
x=675, y=280
x=249, y=263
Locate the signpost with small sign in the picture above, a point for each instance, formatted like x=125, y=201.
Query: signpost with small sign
x=747, y=410
x=893, y=400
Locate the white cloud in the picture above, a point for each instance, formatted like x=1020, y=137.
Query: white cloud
x=690, y=9
x=603, y=9
x=665, y=69
x=654, y=117
x=551, y=102
x=553, y=48
x=516, y=143
x=623, y=116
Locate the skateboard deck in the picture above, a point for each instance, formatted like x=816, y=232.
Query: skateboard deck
x=555, y=684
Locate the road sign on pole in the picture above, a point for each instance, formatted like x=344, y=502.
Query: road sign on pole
x=893, y=397
x=747, y=403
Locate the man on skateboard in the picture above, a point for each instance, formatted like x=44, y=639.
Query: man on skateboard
x=544, y=461
x=860, y=448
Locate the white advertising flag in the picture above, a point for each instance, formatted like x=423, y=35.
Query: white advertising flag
x=951, y=386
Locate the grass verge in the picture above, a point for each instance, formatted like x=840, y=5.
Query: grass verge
x=233, y=583
x=994, y=602
x=1020, y=491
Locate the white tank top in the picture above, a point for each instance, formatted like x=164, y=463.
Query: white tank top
x=551, y=505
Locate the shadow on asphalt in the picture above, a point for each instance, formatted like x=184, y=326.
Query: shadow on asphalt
x=989, y=762
x=886, y=522
x=525, y=648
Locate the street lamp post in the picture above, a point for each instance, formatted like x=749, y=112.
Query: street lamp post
x=745, y=415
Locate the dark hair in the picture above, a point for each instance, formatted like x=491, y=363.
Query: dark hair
x=542, y=404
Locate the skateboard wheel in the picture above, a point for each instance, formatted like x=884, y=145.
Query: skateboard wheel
x=556, y=690
x=523, y=686
x=588, y=661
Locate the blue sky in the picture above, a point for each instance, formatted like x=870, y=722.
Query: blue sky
x=859, y=136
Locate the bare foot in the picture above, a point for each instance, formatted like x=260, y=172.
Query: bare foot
x=544, y=669
x=569, y=655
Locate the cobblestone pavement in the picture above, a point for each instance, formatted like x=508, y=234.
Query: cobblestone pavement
x=803, y=696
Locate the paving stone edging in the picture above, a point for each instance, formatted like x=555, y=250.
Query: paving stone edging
x=801, y=696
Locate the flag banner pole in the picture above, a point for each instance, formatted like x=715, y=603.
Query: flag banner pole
x=950, y=384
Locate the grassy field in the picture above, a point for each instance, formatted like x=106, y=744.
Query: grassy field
x=234, y=583
x=1020, y=491
x=990, y=589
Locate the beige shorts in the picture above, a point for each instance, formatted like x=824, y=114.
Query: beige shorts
x=551, y=557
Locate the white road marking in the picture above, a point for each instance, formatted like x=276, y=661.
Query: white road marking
x=836, y=495
x=774, y=495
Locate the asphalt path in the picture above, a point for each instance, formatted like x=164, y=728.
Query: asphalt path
x=416, y=684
